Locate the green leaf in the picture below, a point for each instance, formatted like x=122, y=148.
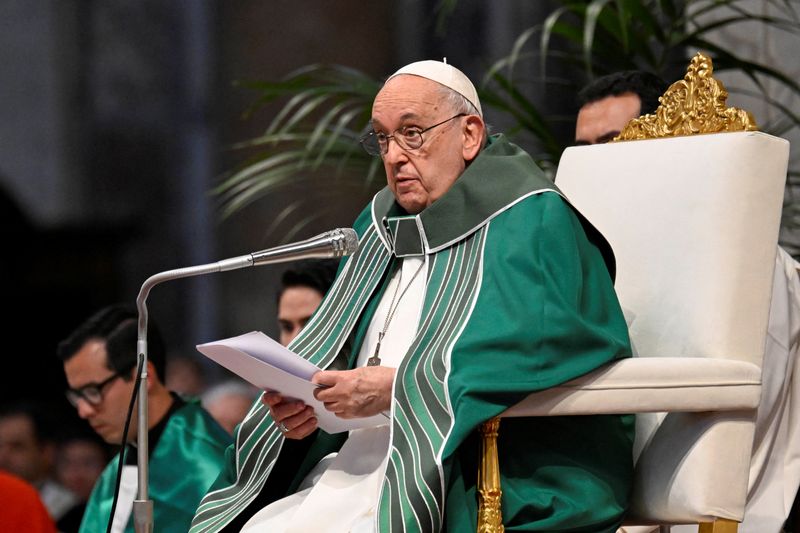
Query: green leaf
x=593, y=15
x=623, y=21
x=325, y=108
x=551, y=25
x=724, y=60
x=525, y=112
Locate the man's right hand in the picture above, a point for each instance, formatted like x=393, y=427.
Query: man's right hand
x=297, y=417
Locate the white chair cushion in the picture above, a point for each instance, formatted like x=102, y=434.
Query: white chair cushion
x=650, y=384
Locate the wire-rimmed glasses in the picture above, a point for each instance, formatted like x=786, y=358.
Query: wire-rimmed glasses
x=407, y=137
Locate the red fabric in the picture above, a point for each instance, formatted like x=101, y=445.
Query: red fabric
x=22, y=510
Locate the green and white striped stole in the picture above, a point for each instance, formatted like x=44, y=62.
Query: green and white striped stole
x=258, y=440
x=412, y=495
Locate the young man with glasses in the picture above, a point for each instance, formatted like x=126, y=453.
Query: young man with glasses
x=474, y=285
x=186, y=445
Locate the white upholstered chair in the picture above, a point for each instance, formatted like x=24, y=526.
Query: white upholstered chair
x=693, y=222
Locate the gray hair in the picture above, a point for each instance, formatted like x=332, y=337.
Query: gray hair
x=232, y=387
x=459, y=104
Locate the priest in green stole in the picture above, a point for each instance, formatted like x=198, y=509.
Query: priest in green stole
x=511, y=292
x=185, y=444
x=184, y=458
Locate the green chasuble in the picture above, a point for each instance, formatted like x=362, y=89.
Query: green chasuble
x=518, y=299
x=183, y=464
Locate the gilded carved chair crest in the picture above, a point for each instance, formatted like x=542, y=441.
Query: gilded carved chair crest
x=695, y=104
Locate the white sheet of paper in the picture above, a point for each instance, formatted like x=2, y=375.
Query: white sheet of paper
x=270, y=366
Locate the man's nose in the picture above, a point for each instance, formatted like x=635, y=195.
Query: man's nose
x=294, y=332
x=394, y=152
x=85, y=409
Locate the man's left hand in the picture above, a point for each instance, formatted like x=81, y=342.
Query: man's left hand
x=356, y=393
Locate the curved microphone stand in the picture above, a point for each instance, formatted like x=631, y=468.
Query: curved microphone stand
x=331, y=244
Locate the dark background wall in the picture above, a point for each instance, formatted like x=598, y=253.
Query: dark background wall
x=116, y=120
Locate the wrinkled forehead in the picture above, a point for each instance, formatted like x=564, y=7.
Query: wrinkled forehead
x=406, y=97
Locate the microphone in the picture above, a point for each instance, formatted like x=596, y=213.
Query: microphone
x=339, y=242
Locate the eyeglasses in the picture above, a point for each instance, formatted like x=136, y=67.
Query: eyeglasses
x=407, y=138
x=92, y=393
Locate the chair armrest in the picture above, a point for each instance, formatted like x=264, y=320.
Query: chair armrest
x=650, y=384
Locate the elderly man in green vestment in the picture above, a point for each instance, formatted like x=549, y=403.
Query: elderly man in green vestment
x=475, y=284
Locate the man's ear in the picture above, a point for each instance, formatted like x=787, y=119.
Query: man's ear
x=151, y=375
x=473, y=137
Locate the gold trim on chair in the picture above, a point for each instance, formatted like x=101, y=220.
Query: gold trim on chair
x=490, y=517
x=720, y=525
x=695, y=104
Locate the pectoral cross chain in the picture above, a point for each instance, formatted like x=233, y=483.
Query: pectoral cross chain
x=375, y=360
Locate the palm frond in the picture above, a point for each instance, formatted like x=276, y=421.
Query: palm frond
x=326, y=108
x=314, y=132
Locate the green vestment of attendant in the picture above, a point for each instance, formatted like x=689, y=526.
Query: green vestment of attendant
x=518, y=299
x=183, y=464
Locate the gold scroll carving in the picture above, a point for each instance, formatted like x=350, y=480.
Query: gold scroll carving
x=695, y=104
